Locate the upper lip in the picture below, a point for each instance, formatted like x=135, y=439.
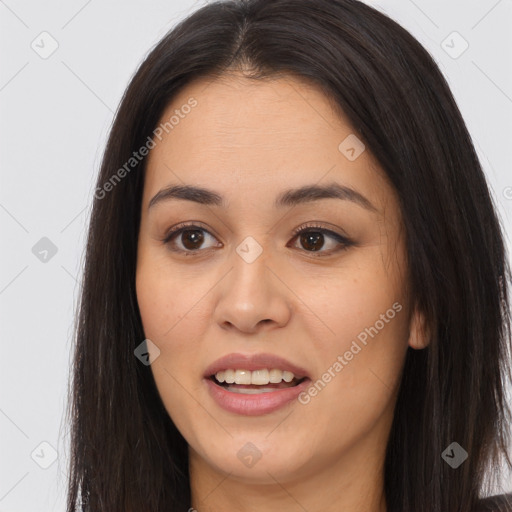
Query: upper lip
x=254, y=362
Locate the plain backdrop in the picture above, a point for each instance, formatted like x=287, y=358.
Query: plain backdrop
x=56, y=110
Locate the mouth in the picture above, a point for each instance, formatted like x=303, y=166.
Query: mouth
x=255, y=382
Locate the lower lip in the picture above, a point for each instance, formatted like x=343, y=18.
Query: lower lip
x=254, y=405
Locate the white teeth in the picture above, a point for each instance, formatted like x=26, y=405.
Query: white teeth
x=243, y=377
x=275, y=376
x=258, y=377
x=288, y=376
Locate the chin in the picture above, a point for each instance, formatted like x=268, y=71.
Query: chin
x=253, y=459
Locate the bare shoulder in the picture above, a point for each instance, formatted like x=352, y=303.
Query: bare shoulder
x=501, y=503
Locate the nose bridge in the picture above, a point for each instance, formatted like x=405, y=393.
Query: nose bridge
x=251, y=295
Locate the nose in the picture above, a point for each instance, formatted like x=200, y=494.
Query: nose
x=252, y=298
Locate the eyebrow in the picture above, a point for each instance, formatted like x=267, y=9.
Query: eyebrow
x=291, y=197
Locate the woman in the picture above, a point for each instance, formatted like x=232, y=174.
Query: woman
x=296, y=290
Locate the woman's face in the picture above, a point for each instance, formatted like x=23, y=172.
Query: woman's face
x=329, y=304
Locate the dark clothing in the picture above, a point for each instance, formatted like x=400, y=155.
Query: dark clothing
x=501, y=503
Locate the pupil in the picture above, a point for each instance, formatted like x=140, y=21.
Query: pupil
x=195, y=236
x=314, y=238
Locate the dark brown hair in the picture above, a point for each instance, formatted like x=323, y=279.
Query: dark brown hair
x=126, y=453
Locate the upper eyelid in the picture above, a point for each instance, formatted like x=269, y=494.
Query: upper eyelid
x=184, y=226
x=304, y=227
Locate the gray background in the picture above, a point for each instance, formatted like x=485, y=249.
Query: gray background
x=55, y=115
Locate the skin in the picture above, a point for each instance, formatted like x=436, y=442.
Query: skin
x=248, y=141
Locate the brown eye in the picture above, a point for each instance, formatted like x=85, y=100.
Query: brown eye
x=192, y=239
x=312, y=240
x=188, y=239
x=315, y=238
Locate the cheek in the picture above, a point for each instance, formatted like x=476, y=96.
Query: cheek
x=363, y=303
x=174, y=312
x=165, y=298
x=166, y=323
x=360, y=355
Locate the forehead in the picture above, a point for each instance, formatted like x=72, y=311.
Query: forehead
x=258, y=136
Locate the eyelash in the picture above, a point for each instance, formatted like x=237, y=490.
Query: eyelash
x=305, y=228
